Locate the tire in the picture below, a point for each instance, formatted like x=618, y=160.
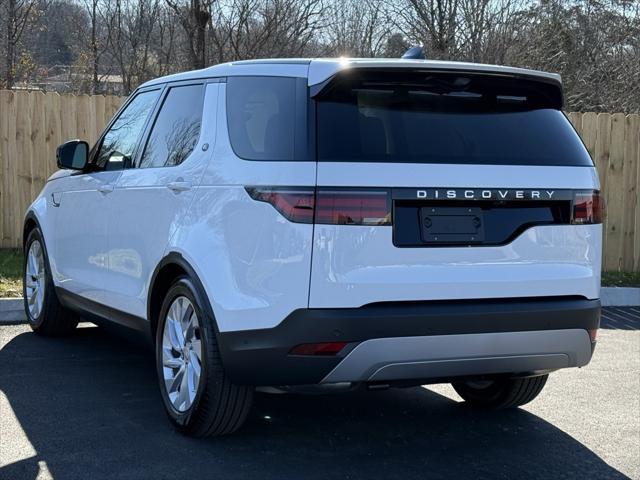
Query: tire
x=44, y=312
x=502, y=393
x=210, y=405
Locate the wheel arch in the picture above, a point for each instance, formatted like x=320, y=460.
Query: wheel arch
x=30, y=222
x=172, y=266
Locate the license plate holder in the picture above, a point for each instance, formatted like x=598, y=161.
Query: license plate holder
x=462, y=225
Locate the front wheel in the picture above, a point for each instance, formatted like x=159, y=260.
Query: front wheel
x=43, y=309
x=502, y=393
x=197, y=394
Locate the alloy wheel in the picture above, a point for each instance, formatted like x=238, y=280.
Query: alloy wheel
x=181, y=353
x=35, y=280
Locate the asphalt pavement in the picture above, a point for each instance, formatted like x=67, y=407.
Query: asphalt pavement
x=87, y=407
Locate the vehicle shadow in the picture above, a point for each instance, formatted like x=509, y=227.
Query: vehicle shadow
x=89, y=406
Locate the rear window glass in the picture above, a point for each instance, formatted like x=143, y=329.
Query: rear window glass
x=267, y=117
x=445, y=118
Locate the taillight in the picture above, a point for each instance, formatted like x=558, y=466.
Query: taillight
x=294, y=204
x=353, y=207
x=328, y=205
x=587, y=208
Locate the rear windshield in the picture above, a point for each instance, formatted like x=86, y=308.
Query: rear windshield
x=445, y=118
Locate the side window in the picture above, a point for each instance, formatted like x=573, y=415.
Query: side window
x=176, y=129
x=265, y=115
x=120, y=140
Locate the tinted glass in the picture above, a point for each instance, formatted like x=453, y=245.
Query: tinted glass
x=261, y=114
x=176, y=130
x=445, y=119
x=120, y=141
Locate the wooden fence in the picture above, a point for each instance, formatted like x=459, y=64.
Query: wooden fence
x=613, y=140
x=33, y=124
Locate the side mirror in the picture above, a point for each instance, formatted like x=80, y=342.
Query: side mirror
x=73, y=155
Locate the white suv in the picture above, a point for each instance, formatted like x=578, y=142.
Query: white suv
x=336, y=223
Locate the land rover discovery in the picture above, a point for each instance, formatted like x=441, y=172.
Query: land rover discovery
x=329, y=223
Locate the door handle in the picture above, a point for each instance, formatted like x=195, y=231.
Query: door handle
x=105, y=189
x=179, y=186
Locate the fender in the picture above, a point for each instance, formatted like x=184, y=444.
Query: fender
x=30, y=216
x=38, y=212
x=154, y=303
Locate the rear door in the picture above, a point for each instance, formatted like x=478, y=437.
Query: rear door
x=434, y=186
x=151, y=199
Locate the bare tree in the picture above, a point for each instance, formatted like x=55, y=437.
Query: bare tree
x=266, y=28
x=98, y=41
x=131, y=25
x=396, y=45
x=17, y=14
x=165, y=39
x=357, y=29
x=194, y=16
x=594, y=44
x=487, y=29
x=433, y=23
x=92, y=7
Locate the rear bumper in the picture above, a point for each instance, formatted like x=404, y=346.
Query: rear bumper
x=417, y=340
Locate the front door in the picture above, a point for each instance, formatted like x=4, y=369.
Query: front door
x=81, y=232
x=84, y=202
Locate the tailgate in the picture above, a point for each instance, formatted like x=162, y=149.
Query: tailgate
x=355, y=265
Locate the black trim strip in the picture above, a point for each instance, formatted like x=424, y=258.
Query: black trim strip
x=97, y=312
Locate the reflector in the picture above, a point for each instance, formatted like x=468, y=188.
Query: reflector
x=330, y=348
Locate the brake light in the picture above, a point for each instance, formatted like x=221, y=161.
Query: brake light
x=328, y=205
x=353, y=207
x=294, y=204
x=587, y=208
x=324, y=349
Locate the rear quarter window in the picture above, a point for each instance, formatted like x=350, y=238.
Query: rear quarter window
x=266, y=117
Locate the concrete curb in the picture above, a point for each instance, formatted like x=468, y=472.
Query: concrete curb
x=11, y=311
x=620, y=296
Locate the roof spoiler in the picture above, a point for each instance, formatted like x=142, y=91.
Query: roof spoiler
x=322, y=69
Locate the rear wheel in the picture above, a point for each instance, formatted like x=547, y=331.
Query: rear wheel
x=502, y=393
x=197, y=394
x=45, y=313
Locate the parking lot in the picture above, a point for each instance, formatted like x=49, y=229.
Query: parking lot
x=87, y=407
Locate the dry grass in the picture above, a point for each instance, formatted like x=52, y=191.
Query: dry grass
x=10, y=273
x=620, y=279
